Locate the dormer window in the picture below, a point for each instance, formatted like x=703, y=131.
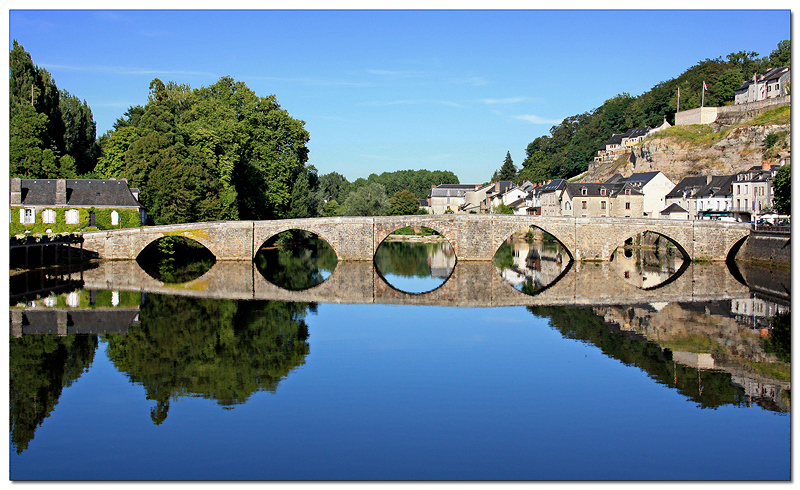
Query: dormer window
x=584, y=191
x=603, y=191
x=628, y=192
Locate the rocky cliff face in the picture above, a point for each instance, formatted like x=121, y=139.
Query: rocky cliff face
x=739, y=149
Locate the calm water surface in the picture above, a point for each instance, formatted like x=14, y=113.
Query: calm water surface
x=183, y=386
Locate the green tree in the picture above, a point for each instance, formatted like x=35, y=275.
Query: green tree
x=369, y=200
x=782, y=202
x=535, y=168
x=403, y=203
x=508, y=171
x=503, y=209
x=782, y=55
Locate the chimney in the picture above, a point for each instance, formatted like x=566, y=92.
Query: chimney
x=596, y=181
x=766, y=166
x=61, y=191
x=708, y=179
x=16, y=191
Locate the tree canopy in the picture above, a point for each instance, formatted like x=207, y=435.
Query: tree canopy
x=213, y=153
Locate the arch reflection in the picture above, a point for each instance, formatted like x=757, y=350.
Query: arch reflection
x=175, y=259
x=532, y=260
x=649, y=260
x=415, y=260
x=296, y=260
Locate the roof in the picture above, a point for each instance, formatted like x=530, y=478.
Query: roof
x=80, y=192
x=450, y=190
x=554, y=185
x=674, y=208
x=690, y=185
x=593, y=189
x=643, y=177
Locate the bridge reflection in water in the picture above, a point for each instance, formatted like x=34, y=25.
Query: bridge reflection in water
x=472, y=284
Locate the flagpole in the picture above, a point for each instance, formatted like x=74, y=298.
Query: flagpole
x=703, y=95
x=679, y=100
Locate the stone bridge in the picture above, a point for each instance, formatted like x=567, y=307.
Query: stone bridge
x=472, y=284
x=473, y=237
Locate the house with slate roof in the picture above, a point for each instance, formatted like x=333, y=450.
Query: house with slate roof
x=769, y=85
x=550, y=197
x=601, y=200
x=65, y=200
x=655, y=186
x=448, y=197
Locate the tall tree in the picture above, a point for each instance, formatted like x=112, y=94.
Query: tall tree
x=782, y=201
x=508, y=171
x=403, y=203
x=369, y=200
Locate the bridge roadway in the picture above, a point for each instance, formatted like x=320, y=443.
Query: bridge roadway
x=472, y=284
x=473, y=237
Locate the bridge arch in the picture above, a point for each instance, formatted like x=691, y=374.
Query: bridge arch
x=524, y=228
x=276, y=231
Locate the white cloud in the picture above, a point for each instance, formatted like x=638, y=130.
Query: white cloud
x=532, y=118
x=507, y=100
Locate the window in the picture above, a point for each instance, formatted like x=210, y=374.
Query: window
x=583, y=191
x=627, y=205
x=602, y=204
x=627, y=192
x=603, y=191
x=48, y=216
x=27, y=216
x=72, y=217
x=583, y=204
x=114, y=218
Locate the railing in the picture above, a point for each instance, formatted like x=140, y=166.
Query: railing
x=766, y=227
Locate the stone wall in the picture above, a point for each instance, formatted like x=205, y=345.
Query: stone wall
x=764, y=246
x=731, y=114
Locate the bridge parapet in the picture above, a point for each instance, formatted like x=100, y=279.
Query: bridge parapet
x=473, y=237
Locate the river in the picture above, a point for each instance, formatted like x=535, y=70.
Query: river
x=413, y=367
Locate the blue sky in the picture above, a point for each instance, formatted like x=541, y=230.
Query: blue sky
x=381, y=91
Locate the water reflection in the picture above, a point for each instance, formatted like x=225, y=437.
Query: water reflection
x=224, y=350
x=416, y=265
x=532, y=261
x=296, y=261
x=648, y=260
x=175, y=260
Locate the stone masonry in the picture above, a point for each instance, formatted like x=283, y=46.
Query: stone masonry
x=473, y=237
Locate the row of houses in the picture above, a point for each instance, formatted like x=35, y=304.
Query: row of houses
x=620, y=144
x=739, y=197
x=771, y=84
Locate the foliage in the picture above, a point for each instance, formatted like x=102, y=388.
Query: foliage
x=419, y=182
x=403, y=203
x=52, y=132
x=507, y=171
x=369, y=200
x=503, y=209
x=782, y=185
x=780, y=340
x=213, y=153
x=128, y=218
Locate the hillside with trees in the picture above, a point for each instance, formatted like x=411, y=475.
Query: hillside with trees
x=572, y=144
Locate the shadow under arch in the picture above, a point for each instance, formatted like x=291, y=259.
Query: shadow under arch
x=730, y=260
x=290, y=227
x=175, y=259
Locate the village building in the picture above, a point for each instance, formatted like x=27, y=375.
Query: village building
x=752, y=191
x=769, y=85
x=448, y=198
x=654, y=185
x=52, y=200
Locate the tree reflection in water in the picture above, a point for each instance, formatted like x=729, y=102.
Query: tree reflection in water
x=532, y=261
x=175, y=260
x=216, y=349
x=39, y=367
x=296, y=261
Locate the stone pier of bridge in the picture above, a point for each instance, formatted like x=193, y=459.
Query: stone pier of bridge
x=473, y=237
